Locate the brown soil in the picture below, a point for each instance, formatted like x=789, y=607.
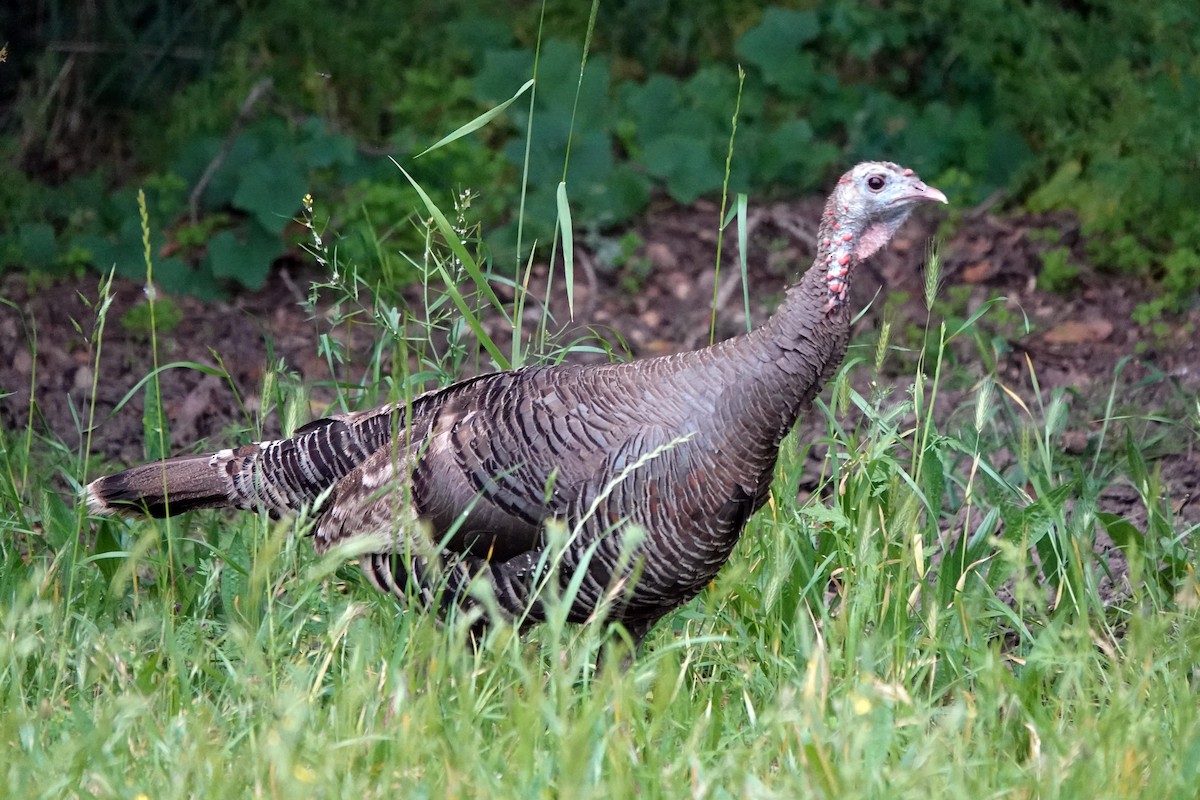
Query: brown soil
x=1083, y=341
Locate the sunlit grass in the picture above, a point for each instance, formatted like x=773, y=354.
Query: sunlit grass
x=855, y=645
x=806, y=669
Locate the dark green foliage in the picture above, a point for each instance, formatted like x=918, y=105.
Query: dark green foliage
x=1105, y=93
x=1081, y=107
x=602, y=190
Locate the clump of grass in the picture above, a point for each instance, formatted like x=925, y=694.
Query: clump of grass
x=855, y=645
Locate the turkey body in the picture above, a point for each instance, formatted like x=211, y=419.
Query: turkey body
x=459, y=485
x=676, y=446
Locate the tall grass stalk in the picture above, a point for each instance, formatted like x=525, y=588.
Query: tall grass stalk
x=722, y=222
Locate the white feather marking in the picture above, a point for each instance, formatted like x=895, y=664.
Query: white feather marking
x=94, y=503
x=381, y=476
x=439, y=443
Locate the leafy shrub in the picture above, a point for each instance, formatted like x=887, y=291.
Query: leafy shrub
x=1106, y=93
x=1085, y=107
x=261, y=178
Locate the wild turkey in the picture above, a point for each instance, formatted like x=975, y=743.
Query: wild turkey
x=681, y=448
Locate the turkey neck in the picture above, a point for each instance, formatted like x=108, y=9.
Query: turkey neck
x=800, y=347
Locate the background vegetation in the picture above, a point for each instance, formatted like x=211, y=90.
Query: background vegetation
x=1078, y=106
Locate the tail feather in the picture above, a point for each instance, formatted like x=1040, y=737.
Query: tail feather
x=278, y=476
x=162, y=488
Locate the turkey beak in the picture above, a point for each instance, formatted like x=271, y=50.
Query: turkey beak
x=920, y=192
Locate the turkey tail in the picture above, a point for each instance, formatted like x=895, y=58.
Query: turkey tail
x=278, y=476
x=162, y=488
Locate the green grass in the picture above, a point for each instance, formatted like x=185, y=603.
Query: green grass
x=245, y=666
x=216, y=656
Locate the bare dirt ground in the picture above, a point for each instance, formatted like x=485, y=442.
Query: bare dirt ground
x=658, y=302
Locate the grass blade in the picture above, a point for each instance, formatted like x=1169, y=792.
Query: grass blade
x=477, y=123
x=564, y=223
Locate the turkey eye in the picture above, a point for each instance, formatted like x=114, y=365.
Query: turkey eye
x=875, y=182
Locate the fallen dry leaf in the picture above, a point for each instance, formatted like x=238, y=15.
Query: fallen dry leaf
x=661, y=256
x=978, y=272
x=1076, y=332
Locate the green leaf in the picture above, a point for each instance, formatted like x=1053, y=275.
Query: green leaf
x=125, y=252
x=196, y=158
x=1060, y=190
x=933, y=485
x=174, y=276
x=322, y=149
x=776, y=47
x=271, y=190
x=830, y=515
x=653, y=107
x=558, y=81
x=244, y=256
x=154, y=423
x=787, y=154
x=39, y=247
x=1123, y=532
x=625, y=193
x=493, y=82
x=743, y=236
x=689, y=166
x=106, y=549
x=591, y=158
x=235, y=577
